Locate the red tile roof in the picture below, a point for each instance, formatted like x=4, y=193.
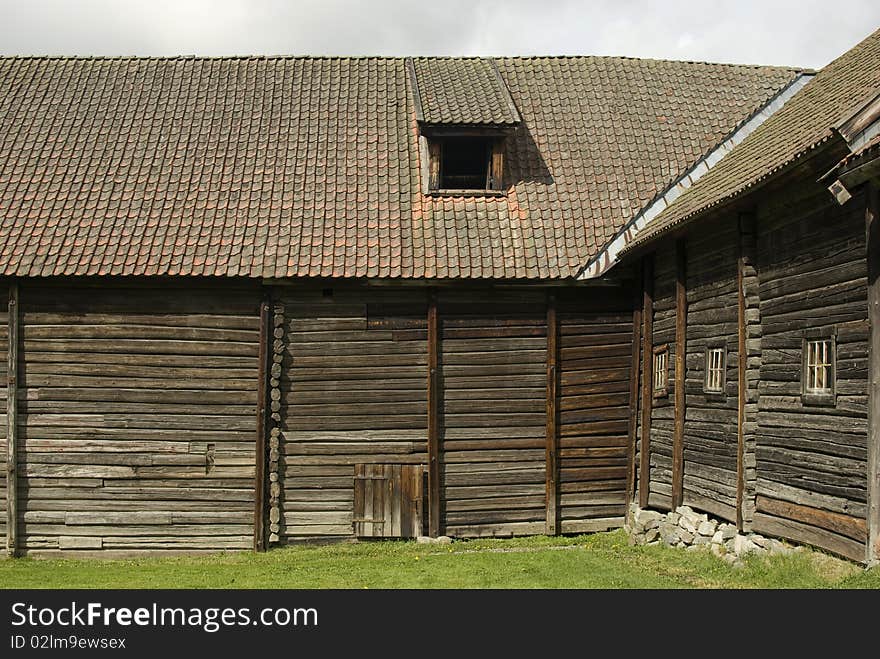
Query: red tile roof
x=300, y=167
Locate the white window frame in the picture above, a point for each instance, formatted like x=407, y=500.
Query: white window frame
x=819, y=368
x=715, y=380
x=660, y=384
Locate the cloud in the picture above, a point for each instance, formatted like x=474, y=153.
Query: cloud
x=750, y=31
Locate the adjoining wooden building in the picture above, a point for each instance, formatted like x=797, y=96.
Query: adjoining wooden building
x=253, y=301
x=761, y=325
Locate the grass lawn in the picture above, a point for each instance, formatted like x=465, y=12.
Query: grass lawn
x=603, y=560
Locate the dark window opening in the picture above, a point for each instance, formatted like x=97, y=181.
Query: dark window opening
x=464, y=164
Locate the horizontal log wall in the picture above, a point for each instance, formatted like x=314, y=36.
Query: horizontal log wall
x=595, y=364
x=663, y=409
x=493, y=355
x=710, y=429
x=137, y=418
x=811, y=458
x=353, y=391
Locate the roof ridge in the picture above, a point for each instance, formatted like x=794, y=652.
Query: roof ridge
x=396, y=58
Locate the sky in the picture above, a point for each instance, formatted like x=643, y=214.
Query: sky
x=807, y=33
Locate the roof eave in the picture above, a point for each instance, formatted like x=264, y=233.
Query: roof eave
x=741, y=197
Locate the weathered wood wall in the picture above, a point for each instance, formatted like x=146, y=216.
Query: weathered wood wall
x=493, y=351
x=663, y=410
x=710, y=429
x=138, y=413
x=811, y=458
x=595, y=363
x=137, y=417
x=353, y=391
x=771, y=459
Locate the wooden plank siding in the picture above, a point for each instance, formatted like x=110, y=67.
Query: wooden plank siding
x=710, y=429
x=137, y=414
x=662, y=425
x=353, y=391
x=812, y=457
x=493, y=372
x=595, y=366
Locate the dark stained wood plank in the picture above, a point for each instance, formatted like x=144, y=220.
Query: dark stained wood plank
x=808, y=534
x=260, y=454
x=434, y=411
x=12, y=422
x=872, y=228
x=745, y=222
x=647, y=377
x=633, y=399
x=551, y=422
x=680, y=371
x=851, y=527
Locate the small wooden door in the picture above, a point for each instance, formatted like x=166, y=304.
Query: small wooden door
x=388, y=500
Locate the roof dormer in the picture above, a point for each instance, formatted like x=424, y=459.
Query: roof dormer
x=465, y=113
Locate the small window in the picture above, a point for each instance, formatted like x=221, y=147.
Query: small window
x=819, y=370
x=661, y=371
x=716, y=365
x=465, y=165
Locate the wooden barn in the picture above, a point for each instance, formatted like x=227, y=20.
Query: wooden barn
x=255, y=301
x=761, y=325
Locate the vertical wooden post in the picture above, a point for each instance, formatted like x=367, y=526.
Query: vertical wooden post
x=632, y=429
x=647, y=377
x=872, y=227
x=741, y=383
x=260, y=455
x=433, y=417
x=12, y=425
x=680, y=370
x=551, y=452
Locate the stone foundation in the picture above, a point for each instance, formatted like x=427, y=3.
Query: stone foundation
x=691, y=530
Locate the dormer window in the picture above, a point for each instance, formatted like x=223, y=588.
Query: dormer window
x=464, y=113
x=465, y=165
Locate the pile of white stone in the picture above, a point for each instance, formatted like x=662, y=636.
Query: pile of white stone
x=688, y=529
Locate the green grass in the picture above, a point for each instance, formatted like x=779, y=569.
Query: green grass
x=603, y=560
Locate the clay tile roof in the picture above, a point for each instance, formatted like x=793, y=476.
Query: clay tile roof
x=309, y=167
x=800, y=126
x=462, y=91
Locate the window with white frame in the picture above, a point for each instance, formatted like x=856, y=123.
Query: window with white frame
x=661, y=370
x=818, y=366
x=715, y=370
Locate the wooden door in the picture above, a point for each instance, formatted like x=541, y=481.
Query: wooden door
x=388, y=500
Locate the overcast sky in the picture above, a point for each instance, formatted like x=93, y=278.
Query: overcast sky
x=791, y=32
